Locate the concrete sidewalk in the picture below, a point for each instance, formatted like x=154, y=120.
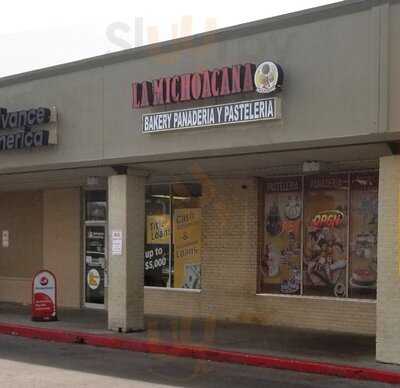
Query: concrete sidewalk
x=292, y=344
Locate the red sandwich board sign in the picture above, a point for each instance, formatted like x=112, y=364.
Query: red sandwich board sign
x=44, y=296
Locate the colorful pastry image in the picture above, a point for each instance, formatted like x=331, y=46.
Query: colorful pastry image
x=365, y=245
x=293, y=208
x=292, y=284
x=274, y=221
x=271, y=261
x=93, y=279
x=363, y=278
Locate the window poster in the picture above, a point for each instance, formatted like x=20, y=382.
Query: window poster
x=158, y=229
x=325, y=235
x=187, y=247
x=156, y=257
x=363, y=235
x=279, y=269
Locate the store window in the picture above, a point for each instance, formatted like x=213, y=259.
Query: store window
x=320, y=236
x=173, y=236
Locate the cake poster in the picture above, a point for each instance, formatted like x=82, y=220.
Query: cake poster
x=279, y=268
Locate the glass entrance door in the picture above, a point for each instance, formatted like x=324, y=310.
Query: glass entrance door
x=95, y=263
x=95, y=248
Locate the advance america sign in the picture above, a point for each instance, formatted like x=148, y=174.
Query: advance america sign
x=265, y=78
x=27, y=128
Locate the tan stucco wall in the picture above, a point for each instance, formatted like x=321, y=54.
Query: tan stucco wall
x=62, y=243
x=229, y=274
x=45, y=232
x=21, y=214
x=15, y=290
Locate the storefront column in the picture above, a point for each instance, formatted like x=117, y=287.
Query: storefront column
x=126, y=219
x=388, y=288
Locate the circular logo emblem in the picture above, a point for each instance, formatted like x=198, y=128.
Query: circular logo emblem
x=293, y=208
x=93, y=279
x=339, y=290
x=44, y=281
x=268, y=77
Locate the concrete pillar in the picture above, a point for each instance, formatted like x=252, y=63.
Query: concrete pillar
x=388, y=292
x=126, y=214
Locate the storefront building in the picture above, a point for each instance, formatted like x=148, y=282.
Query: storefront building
x=250, y=174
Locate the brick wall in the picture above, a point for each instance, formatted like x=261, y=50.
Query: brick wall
x=388, y=298
x=229, y=273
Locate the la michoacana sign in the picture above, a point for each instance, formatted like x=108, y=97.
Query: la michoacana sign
x=265, y=79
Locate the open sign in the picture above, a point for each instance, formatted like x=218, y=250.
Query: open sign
x=328, y=218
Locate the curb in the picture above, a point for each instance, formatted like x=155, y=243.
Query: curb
x=201, y=353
